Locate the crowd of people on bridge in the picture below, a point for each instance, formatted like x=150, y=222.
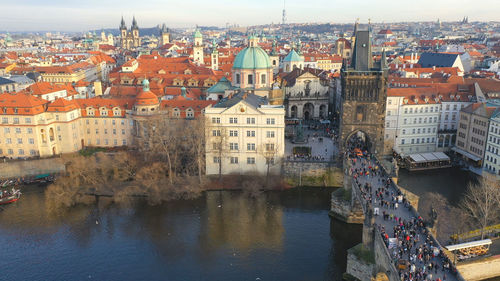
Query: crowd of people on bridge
x=410, y=245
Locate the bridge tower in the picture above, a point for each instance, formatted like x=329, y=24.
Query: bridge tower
x=364, y=95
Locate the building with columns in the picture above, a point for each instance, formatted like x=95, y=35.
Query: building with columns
x=307, y=94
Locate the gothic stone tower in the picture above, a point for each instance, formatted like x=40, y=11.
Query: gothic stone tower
x=364, y=96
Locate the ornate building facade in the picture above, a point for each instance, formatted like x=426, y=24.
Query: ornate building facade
x=364, y=95
x=307, y=94
x=129, y=39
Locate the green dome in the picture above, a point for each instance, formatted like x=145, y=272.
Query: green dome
x=252, y=58
x=293, y=57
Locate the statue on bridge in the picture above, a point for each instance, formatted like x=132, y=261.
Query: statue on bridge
x=395, y=168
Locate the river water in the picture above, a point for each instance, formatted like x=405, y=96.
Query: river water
x=219, y=236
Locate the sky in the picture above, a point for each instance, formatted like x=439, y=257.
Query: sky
x=83, y=15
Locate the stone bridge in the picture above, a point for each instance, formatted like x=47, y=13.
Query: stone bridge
x=383, y=265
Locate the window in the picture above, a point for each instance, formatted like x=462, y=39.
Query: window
x=404, y=121
x=88, y=131
x=402, y=141
x=123, y=131
x=58, y=128
x=216, y=133
x=269, y=146
x=10, y=151
x=16, y=120
x=98, y=141
x=5, y=120
x=216, y=159
x=18, y=130
x=57, y=117
x=270, y=121
x=20, y=141
x=30, y=130
x=389, y=101
x=250, y=79
x=31, y=141
x=21, y=151
x=406, y=110
x=32, y=152
x=251, y=160
x=233, y=120
x=251, y=146
x=270, y=134
x=215, y=120
x=238, y=79
x=233, y=146
x=27, y=120
x=250, y=120
x=234, y=160
x=250, y=133
x=263, y=79
x=403, y=131
x=124, y=142
x=97, y=131
x=8, y=141
x=114, y=131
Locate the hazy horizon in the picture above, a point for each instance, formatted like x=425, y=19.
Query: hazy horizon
x=59, y=15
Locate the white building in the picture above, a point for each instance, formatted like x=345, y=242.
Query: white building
x=243, y=132
x=492, y=155
x=412, y=120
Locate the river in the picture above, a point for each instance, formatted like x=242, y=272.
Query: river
x=219, y=236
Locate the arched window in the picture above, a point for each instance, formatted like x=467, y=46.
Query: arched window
x=237, y=78
x=250, y=79
x=263, y=79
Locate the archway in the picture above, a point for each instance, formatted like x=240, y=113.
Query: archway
x=293, y=111
x=357, y=140
x=83, y=143
x=308, y=111
x=54, y=151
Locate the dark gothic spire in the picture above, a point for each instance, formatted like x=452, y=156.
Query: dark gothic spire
x=134, y=24
x=122, y=24
x=383, y=60
x=362, y=53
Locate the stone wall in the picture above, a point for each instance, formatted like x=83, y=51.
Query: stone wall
x=358, y=268
x=17, y=169
x=302, y=173
x=480, y=269
x=341, y=209
x=383, y=258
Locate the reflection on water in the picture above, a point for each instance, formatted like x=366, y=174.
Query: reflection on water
x=219, y=236
x=450, y=182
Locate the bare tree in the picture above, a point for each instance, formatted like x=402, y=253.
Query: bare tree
x=217, y=143
x=196, y=141
x=160, y=137
x=270, y=152
x=481, y=201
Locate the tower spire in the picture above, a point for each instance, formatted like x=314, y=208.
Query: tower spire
x=283, y=18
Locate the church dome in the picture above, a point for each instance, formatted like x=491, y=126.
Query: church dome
x=146, y=97
x=252, y=58
x=292, y=57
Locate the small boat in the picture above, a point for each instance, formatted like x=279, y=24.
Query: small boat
x=10, y=197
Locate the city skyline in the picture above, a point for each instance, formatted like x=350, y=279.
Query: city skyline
x=58, y=15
